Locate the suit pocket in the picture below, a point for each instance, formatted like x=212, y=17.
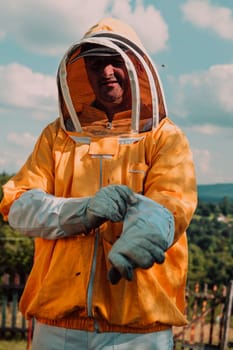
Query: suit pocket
x=136, y=176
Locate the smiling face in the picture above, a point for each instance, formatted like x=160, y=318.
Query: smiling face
x=109, y=79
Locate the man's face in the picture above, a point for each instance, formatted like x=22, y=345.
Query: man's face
x=109, y=79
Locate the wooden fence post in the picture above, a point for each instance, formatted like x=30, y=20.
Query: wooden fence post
x=5, y=282
x=227, y=317
x=212, y=314
x=12, y=323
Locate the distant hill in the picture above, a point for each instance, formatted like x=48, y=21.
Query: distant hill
x=215, y=192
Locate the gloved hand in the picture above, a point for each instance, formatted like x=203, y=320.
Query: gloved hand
x=109, y=203
x=39, y=214
x=148, y=231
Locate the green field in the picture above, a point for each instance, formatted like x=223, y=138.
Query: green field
x=13, y=345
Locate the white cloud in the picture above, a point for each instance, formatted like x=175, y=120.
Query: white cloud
x=203, y=14
x=2, y=162
x=2, y=34
x=49, y=26
x=25, y=139
x=206, y=129
x=205, y=97
x=212, y=149
x=26, y=89
x=211, y=165
x=147, y=22
x=202, y=161
x=11, y=160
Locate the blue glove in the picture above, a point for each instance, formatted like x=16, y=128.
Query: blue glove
x=39, y=214
x=148, y=231
x=109, y=203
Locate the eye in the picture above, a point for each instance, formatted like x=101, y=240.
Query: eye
x=97, y=63
x=93, y=64
x=118, y=62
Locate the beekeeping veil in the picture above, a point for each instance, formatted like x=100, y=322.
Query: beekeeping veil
x=110, y=37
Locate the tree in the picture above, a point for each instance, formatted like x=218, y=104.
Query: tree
x=196, y=270
x=16, y=250
x=211, y=245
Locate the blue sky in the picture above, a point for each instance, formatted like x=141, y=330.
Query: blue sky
x=190, y=41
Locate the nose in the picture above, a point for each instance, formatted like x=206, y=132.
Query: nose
x=108, y=70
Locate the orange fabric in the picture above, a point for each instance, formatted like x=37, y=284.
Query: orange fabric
x=157, y=163
x=56, y=289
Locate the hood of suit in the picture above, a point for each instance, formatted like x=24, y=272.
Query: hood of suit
x=76, y=96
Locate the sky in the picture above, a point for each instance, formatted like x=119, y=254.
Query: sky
x=190, y=42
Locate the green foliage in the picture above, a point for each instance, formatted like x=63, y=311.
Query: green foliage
x=3, y=179
x=197, y=270
x=210, y=236
x=16, y=250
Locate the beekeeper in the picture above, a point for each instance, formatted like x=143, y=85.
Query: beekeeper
x=108, y=193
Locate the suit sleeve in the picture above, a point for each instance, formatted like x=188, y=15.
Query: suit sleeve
x=171, y=177
x=37, y=172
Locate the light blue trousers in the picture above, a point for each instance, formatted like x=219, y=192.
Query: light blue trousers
x=56, y=338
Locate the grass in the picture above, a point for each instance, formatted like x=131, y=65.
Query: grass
x=13, y=345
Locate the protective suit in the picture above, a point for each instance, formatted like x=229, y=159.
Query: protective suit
x=82, y=153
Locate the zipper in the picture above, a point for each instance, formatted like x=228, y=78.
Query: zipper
x=91, y=281
x=94, y=261
x=109, y=125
